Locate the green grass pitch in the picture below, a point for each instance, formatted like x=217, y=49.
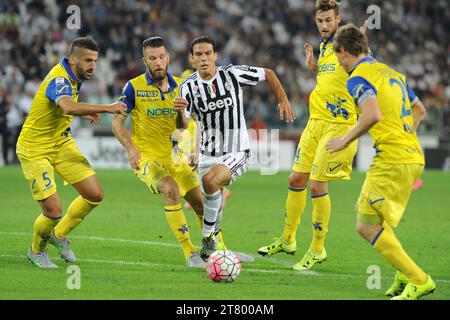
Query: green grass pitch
x=127, y=251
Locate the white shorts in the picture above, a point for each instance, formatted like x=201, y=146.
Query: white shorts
x=236, y=162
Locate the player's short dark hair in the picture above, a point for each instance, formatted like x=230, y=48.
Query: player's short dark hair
x=85, y=43
x=153, y=42
x=325, y=5
x=202, y=39
x=350, y=38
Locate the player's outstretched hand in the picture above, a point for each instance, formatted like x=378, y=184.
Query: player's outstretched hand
x=134, y=155
x=285, y=110
x=180, y=104
x=117, y=107
x=336, y=144
x=310, y=63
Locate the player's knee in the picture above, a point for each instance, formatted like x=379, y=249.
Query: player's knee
x=298, y=180
x=170, y=192
x=209, y=183
x=318, y=188
x=54, y=212
x=363, y=231
x=359, y=229
x=52, y=208
x=95, y=196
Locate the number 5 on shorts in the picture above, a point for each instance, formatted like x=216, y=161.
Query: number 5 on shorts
x=47, y=179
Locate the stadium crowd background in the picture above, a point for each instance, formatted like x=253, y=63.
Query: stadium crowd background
x=269, y=33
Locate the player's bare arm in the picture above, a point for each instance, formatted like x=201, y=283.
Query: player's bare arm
x=419, y=112
x=72, y=108
x=124, y=137
x=179, y=105
x=363, y=28
x=311, y=62
x=284, y=106
x=370, y=115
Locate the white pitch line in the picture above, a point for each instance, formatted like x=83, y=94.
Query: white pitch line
x=181, y=266
x=119, y=262
x=152, y=264
x=166, y=265
x=148, y=264
x=153, y=243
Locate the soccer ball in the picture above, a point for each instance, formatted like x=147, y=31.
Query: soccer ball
x=223, y=266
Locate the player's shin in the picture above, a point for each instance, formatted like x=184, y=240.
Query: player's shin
x=295, y=206
x=211, y=208
x=177, y=222
x=387, y=244
x=77, y=211
x=321, y=217
x=43, y=227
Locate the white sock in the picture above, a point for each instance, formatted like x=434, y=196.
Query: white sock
x=218, y=220
x=211, y=207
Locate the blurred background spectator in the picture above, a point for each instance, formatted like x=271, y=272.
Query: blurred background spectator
x=270, y=33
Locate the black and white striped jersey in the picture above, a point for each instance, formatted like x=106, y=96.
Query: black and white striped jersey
x=217, y=104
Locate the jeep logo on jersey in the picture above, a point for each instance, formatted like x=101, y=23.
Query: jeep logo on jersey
x=218, y=104
x=160, y=112
x=147, y=94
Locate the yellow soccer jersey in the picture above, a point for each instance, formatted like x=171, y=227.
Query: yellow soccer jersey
x=153, y=117
x=330, y=100
x=394, y=136
x=47, y=125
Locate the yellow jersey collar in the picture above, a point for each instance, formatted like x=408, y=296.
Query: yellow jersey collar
x=366, y=59
x=172, y=83
x=65, y=63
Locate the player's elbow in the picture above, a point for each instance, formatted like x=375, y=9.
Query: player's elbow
x=67, y=107
x=420, y=109
x=269, y=73
x=375, y=117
